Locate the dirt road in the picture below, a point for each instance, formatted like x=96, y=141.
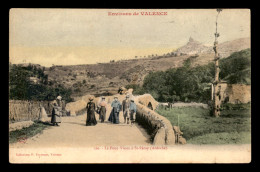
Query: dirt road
x=73, y=132
x=73, y=142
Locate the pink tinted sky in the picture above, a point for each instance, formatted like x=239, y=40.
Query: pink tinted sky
x=87, y=36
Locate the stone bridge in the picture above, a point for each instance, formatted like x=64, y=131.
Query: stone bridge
x=158, y=127
x=150, y=128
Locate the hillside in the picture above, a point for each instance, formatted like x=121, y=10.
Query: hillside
x=189, y=83
x=106, y=78
x=225, y=48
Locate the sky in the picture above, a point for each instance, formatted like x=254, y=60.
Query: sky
x=87, y=36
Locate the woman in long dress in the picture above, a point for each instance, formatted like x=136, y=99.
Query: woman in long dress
x=91, y=119
x=116, y=108
x=56, y=115
x=103, y=107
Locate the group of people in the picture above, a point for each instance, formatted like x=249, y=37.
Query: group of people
x=128, y=106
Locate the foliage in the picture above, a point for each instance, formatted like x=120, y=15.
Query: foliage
x=21, y=88
x=77, y=90
x=193, y=83
x=229, y=106
x=137, y=89
x=25, y=133
x=181, y=84
x=237, y=67
x=200, y=128
x=18, y=83
x=222, y=138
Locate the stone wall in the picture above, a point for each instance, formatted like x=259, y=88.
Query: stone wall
x=158, y=127
x=234, y=93
x=74, y=107
x=239, y=93
x=20, y=110
x=148, y=101
x=79, y=107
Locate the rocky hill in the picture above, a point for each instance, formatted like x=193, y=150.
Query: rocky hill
x=192, y=47
x=106, y=78
x=225, y=48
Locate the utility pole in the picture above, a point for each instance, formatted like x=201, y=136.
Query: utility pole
x=216, y=100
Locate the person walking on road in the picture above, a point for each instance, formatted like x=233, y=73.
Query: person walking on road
x=56, y=115
x=132, y=110
x=116, y=108
x=126, y=112
x=103, y=109
x=91, y=119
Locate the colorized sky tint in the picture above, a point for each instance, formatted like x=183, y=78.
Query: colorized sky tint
x=87, y=36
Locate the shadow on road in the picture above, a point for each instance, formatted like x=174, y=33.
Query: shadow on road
x=144, y=133
x=46, y=123
x=120, y=124
x=76, y=123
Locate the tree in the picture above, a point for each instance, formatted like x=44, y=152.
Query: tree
x=189, y=83
x=18, y=83
x=20, y=87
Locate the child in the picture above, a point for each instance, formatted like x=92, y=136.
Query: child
x=132, y=110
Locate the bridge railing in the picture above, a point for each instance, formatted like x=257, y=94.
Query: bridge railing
x=157, y=126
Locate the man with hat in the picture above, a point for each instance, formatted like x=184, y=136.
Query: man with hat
x=103, y=109
x=116, y=108
x=126, y=105
x=91, y=119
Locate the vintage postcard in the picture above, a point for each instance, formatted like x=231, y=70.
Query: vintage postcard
x=129, y=86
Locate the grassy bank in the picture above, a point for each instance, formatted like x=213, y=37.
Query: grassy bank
x=233, y=127
x=25, y=133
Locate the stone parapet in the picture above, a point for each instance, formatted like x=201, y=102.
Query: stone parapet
x=158, y=127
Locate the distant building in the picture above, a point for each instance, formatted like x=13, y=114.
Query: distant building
x=34, y=80
x=233, y=93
